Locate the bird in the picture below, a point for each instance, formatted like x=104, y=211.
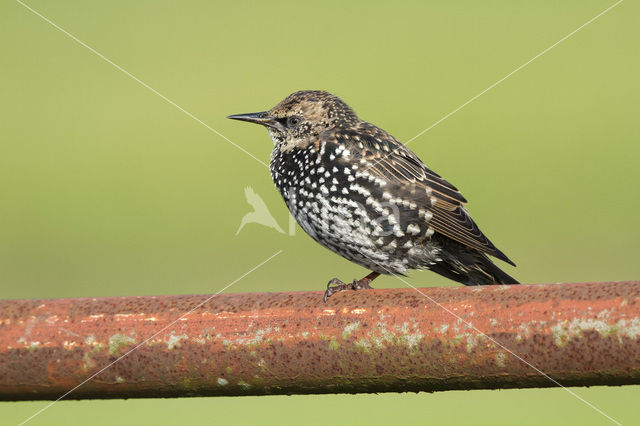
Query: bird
x=363, y=194
x=260, y=213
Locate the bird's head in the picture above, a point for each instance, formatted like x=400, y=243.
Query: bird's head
x=301, y=117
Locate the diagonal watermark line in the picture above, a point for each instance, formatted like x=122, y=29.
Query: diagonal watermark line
x=149, y=338
x=513, y=72
x=480, y=332
x=101, y=56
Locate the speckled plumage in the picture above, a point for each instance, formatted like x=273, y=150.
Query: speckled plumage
x=361, y=193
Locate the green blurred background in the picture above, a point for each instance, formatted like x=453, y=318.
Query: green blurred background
x=106, y=189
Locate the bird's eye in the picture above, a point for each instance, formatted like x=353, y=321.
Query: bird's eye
x=293, y=121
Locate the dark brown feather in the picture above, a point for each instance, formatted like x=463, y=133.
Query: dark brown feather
x=389, y=159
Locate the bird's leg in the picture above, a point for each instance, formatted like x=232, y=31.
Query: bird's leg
x=363, y=284
x=335, y=285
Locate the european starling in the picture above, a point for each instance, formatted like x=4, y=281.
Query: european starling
x=361, y=193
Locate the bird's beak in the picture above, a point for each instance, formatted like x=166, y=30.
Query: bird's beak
x=255, y=117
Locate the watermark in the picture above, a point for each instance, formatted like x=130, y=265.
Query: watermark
x=379, y=220
x=261, y=214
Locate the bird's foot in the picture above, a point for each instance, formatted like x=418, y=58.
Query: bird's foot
x=335, y=285
x=362, y=284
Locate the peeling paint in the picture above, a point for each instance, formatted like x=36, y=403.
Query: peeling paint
x=350, y=328
x=334, y=345
x=174, y=340
x=258, y=336
x=412, y=339
x=87, y=362
x=119, y=341
x=565, y=331
x=362, y=344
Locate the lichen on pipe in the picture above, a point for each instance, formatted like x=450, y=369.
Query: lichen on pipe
x=390, y=340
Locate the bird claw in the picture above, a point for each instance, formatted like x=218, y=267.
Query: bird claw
x=335, y=286
x=362, y=284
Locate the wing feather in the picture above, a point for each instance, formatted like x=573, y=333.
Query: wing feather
x=390, y=160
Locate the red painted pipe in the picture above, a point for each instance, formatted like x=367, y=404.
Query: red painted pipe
x=285, y=343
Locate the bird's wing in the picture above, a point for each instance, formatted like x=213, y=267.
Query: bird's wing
x=381, y=155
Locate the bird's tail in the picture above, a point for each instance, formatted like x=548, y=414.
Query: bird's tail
x=470, y=267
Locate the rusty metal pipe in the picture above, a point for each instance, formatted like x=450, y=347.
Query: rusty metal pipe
x=292, y=343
